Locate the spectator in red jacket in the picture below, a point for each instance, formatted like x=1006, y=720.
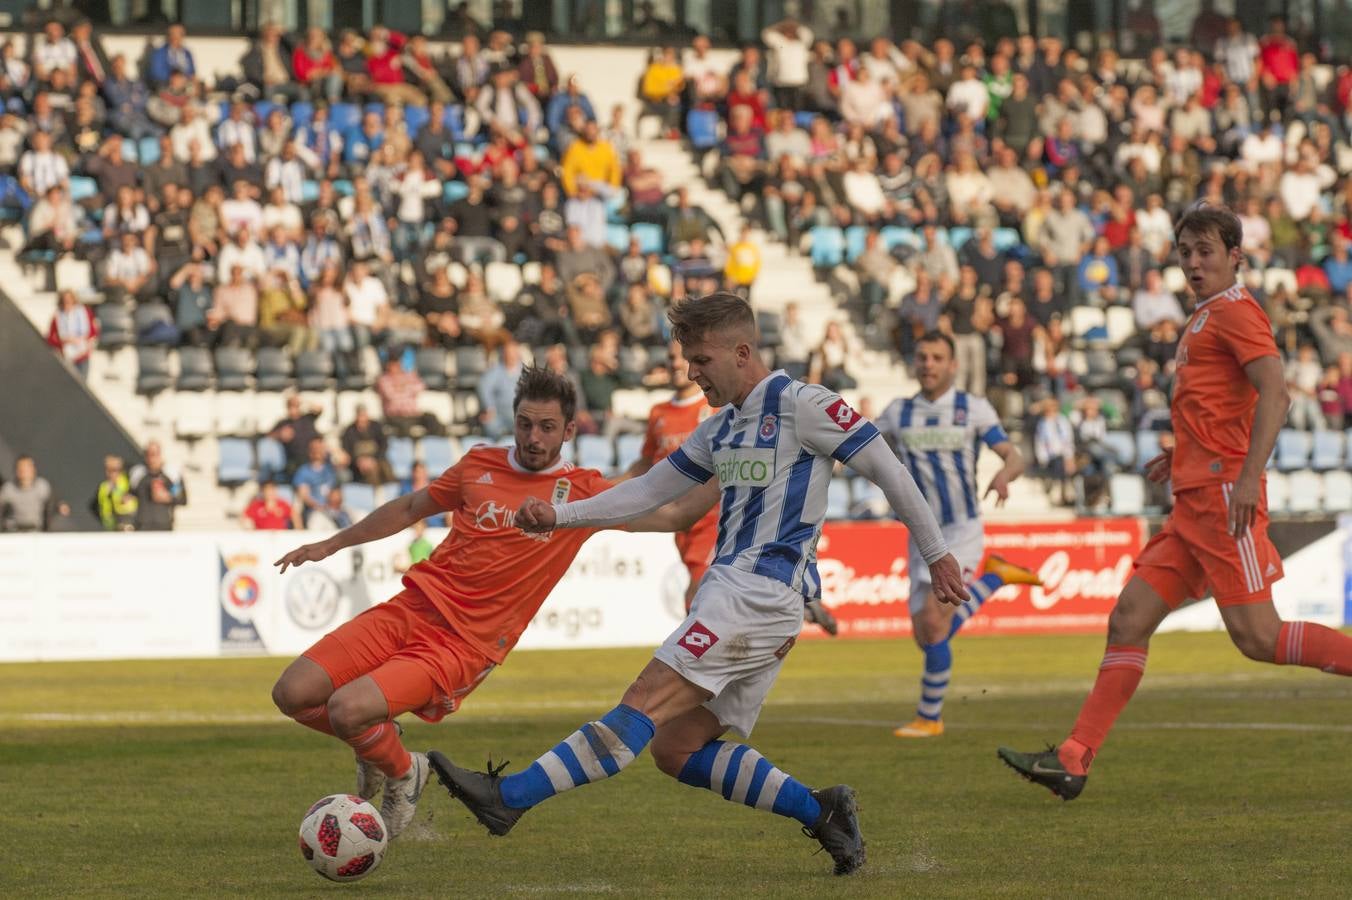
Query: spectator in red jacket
x=268, y=511
x=385, y=65
x=74, y=332
x=1279, y=64
x=316, y=66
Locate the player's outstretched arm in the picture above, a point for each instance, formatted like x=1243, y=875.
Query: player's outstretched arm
x=623, y=503
x=390, y=518
x=683, y=513
x=876, y=463
x=1012, y=469
x=1266, y=375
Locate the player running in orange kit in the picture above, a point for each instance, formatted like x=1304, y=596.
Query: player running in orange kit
x=463, y=609
x=1229, y=403
x=669, y=424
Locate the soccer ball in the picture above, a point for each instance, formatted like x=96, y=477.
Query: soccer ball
x=343, y=838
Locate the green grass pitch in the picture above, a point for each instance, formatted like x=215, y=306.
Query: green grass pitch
x=1224, y=777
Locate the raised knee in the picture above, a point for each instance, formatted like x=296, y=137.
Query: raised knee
x=286, y=698
x=669, y=760
x=345, y=715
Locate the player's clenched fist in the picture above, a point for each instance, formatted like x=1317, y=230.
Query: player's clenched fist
x=946, y=577
x=535, y=515
x=1157, y=468
x=307, y=553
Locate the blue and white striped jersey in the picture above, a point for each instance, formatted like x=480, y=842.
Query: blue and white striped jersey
x=939, y=442
x=773, y=457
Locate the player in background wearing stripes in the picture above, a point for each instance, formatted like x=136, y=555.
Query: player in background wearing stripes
x=1229, y=403
x=771, y=445
x=937, y=434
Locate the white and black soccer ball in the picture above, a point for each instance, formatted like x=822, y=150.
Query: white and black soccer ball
x=343, y=838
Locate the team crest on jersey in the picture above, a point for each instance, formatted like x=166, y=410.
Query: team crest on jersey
x=769, y=426
x=562, y=488
x=1201, y=320
x=959, y=417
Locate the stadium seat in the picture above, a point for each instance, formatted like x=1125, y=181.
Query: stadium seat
x=271, y=457
x=115, y=326
x=194, y=369
x=1127, y=493
x=1337, y=491
x=1115, y=406
x=438, y=453
x=454, y=120
x=803, y=118
x=274, y=369
x=234, y=365
x=302, y=114
x=470, y=364
x=595, y=451
x=615, y=202
x=856, y=237
x=192, y=417
x=633, y=362
x=344, y=117
x=399, y=452
x=1085, y=318
x=82, y=187
x=1123, y=446
x=628, y=448
x=770, y=326
x=455, y=190
x=1007, y=239
x=1327, y=452
x=236, y=464
x=236, y=413
x=129, y=152
x=1147, y=446
x=958, y=236
x=503, y=281
x=73, y=274
x=314, y=368
x=431, y=367
x=617, y=237
x=530, y=273
x=1175, y=281
x=651, y=238
x=1278, y=492
x=1121, y=324
x=1293, y=449
x=828, y=246
x=1306, y=489
x=416, y=119
x=635, y=403
x=360, y=499
x=701, y=126
x=894, y=236
x=152, y=370
x=838, y=499
x=146, y=316
x=1276, y=277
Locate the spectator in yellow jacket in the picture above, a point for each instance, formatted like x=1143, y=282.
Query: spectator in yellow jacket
x=744, y=262
x=592, y=158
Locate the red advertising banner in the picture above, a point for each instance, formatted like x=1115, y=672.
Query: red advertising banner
x=1083, y=565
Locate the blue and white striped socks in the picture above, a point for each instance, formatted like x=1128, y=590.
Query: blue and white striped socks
x=742, y=775
x=939, y=655
x=596, y=750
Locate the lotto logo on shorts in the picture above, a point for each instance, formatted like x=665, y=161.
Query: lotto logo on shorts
x=841, y=413
x=698, y=639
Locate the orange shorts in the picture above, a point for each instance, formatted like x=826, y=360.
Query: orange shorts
x=419, y=663
x=696, y=547
x=1194, y=551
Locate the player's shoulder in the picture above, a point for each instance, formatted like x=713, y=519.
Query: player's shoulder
x=588, y=481
x=486, y=455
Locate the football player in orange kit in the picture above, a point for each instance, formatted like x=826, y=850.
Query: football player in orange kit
x=669, y=424
x=1229, y=403
x=463, y=609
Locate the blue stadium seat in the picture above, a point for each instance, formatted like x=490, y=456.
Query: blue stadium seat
x=416, y=119
x=399, y=452
x=856, y=237
x=617, y=237
x=302, y=114
x=959, y=235
x=375, y=106
x=309, y=191
x=438, y=454
x=650, y=237
x=82, y=187
x=271, y=458
x=615, y=204
x=594, y=451
x=828, y=246
x=1123, y=446
x=701, y=125
x=1147, y=445
x=1006, y=239
x=344, y=116
x=1328, y=450
x=803, y=118
x=129, y=151
x=360, y=499
x=628, y=448
x=838, y=499
x=262, y=109
x=236, y=464
x=894, y=235
x=148, y=149
x=344, y=188
x=1293, y=449
x=455, y=190
x=454, y=120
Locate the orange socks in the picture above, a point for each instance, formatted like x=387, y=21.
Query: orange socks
x=1119, y=674
x=1309, y=644
x=380, y=744
x=316, y=717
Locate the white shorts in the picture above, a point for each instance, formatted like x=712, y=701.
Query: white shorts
x=740, y=628
x=966, y=541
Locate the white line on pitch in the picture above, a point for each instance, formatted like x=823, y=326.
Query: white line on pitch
x=1121, y=726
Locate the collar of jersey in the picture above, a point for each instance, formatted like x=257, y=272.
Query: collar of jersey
x=937, y=401
x=1232, y=287
x=511, y=461
x=757, y=394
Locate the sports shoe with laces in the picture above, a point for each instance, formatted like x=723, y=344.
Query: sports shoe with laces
x=481, y=792
x=370, y=780
x=401, y=796
x=920, y=727
x=837, y=828
x=1045, y=768
x=819, y=615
